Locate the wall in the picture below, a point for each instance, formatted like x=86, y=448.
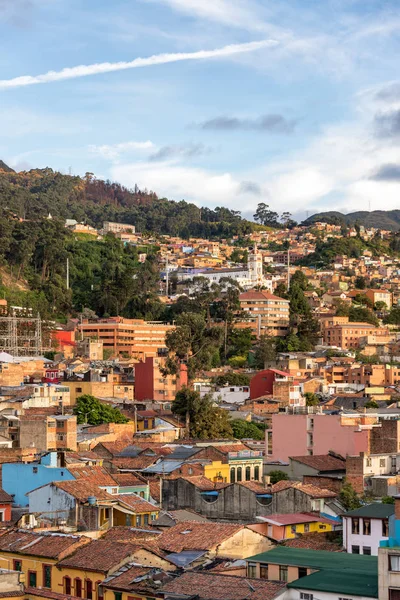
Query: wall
x=52, y=500
x=262, y=384
x=385, y=439
x=19, y=478
x=290, y=436
x=244, y=543
x=328, y=483
x=387, y=579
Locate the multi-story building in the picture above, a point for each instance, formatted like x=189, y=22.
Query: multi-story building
x=133, y=337
x=379, y=295
x=267, y=314
x=280, y=385
x=151, y=384
x=56, y=432
x=110, y=227
x=364, y=528
x=347, y=335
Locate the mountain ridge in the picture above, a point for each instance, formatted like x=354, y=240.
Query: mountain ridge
x=380, y=219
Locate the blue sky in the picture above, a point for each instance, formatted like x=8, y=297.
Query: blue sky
x=294, y=103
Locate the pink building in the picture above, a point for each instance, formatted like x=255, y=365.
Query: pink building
x=299, y=435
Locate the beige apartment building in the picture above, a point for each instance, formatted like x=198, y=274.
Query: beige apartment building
x=347, y=335
x=267, y=314
x=131, y=337
x=110, y=227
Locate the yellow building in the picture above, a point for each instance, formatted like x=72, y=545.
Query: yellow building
x=36, y=555
x=217, y=471
x=281, y=527
x=99, y=389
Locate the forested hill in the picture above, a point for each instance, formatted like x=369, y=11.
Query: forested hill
x=36, y=193
x=382, y=219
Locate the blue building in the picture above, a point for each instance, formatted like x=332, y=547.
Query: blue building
x=20, y=478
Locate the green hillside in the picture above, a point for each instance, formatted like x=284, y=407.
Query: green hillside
x=381, y=219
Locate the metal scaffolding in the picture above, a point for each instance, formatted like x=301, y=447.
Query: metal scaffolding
x=21, y=336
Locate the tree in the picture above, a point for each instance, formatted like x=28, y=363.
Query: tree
x=265, y=216
x=243, y=429
x=387, y=500
x=380, y=305
x=192, y=342
x=360, y=283
x=277, y=475
x=371, y=404
x=311, y=399
x=393, y=317
x=287, y=221
x=89, y=409
x=206, y=421
x=363, y=315
x=349, y=497
x=265, y=351
x=232, y=378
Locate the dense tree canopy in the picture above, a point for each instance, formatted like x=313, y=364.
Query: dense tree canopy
x=89, y=409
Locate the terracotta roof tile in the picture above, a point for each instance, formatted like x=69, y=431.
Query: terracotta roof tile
x=48, y=545
x=193, y=535
x=213, y=586
x=314, y=541
x=310, y=490
x=254, y=486
x=136, y=463
x=81, y=489
x=125, y=581
x=43, y=593
x=253, y=295
x=321, y=462
x=155, y=490
x=136, y=503
x=4, y=497
x=95, y=474
x=99, y=556
x=128, y=479
x=202, y=483
x=131, y=534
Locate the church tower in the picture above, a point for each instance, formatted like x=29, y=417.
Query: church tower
x=255, y=267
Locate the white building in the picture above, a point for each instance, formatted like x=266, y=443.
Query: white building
x=230, y=394
x=364, y=528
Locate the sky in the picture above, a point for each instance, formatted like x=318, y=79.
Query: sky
x=230, y=103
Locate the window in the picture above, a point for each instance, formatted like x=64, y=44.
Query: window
x=79, y=390
x=34, y=470
x=385, y=527
x=251, y=570
x=263, y=571
x=232, y=475
x=239, y=474
x=145, y=519
x=32, y=579
x=302, y=572
x=367, y=550
x=47, y=576
x=117, y=595
x=305, y=596
x=78, y=588
x=67, y=585
x=394, y=563
x=257, y=473
x=283, y=573
x=382, y=462
x=355, y=526
x=394, y=594
x=293, y=529
x=306, y=527
x=138, y=520
x=366, y=526
x=88, y=589
x=248, y=473
x=355, y=549
x=17, y=565
x=369, y=462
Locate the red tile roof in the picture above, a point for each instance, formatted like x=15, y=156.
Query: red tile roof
x=253, y=295
x=81, y=489
x=4, y=497
x=254, y=486
x=128, y=480
x=213, y=586
x=194, y=535
x=125, y=581
x=202, y=483
x=136, y=503
x=310, y=490
x=48, y=545
x=43, y=593
x=295, y=518
x=134, y=463
x=95, y=474
x=315, y=541
x=99, y=556
x=321, y=462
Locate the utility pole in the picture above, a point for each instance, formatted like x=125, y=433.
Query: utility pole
x=288, y=269
x=167, y=276
x=67, y=273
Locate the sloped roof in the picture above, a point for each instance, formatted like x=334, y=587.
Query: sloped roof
x=136, y=503
x=310, y=490
x=375, y=510
x=192, y=535
x=48, y=545
x=98, y=555
x=321, y=462
x=95, y=474
x=213, y=586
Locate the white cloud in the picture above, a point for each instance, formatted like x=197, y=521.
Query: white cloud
x=158, y=59
x=235, y=13
x=115, y=150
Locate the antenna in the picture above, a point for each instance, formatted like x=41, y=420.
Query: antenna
x=69, y=170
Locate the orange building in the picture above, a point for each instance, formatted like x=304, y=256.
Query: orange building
x=133, y=337
x=347, y=335
x=267, y=314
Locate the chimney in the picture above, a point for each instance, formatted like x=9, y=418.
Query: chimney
x=397, y=507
